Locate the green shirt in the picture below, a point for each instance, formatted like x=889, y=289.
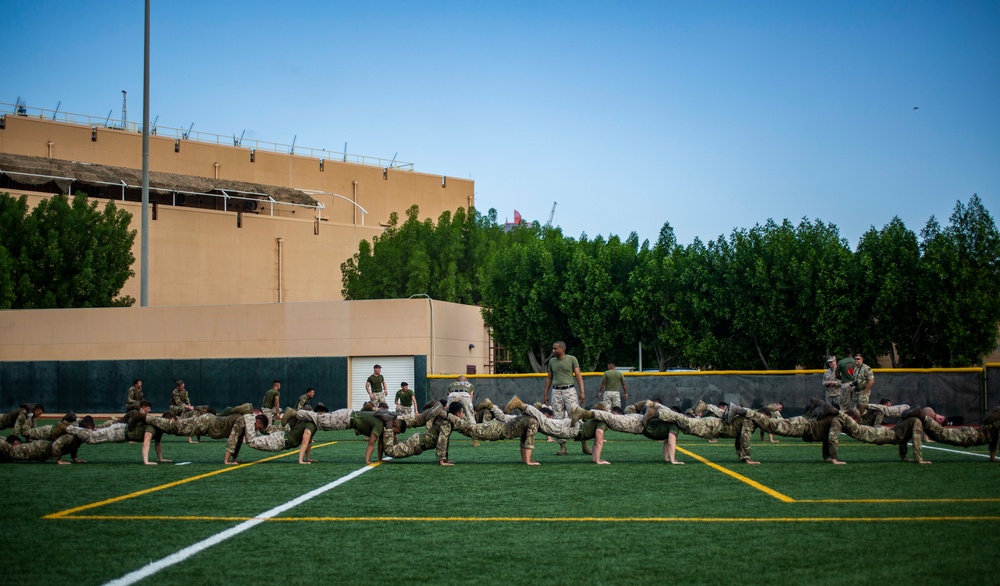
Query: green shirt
x=845, y=370
x=405, y=398
x=562, y=370
x=377, y=382
x=657, y=429
x=588, y=430
x=366, y=423
x=269, y=397
x=613, y=380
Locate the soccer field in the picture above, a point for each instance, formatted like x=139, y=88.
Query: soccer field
x=790, y=520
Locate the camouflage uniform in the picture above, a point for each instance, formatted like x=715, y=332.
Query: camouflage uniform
x=111, y=434
x=558, y=428
x=39, y=450
x=303, y=402
x=907, y=430
x=33, y=434
x=712, y=428
x=277, y=441
x=877, y=413
x=807, y=428
x=859, y=398
x=623, y=423
x=523, y=426
x=715, y=410
x=328, y=421
x=963, y=436
x=179, y=402
x=498, y=414
x=133, y=399
x=832, y=390
x=436, y=437
x=10, y=418
x=461, y=392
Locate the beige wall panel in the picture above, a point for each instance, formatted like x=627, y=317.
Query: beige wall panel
x=331, y=328
x=200, y=257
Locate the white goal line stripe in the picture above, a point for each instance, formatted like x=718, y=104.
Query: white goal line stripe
x=176, y=558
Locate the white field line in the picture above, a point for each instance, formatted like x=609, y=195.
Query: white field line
x=942, y=449
x=180, y=556
x=182, y=463
x=927, y=447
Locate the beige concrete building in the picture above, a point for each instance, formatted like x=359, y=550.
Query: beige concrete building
x=211, y=242
x=245, y=246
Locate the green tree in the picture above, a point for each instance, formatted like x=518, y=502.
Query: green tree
x=959, y=279
x=66, y=253
x=889, y=261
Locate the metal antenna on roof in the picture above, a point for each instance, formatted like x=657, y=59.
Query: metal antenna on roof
x=56, y=111
x=393, y=161
x=239, y=141
x=152, y=127
x=345, y=151
x=108, y=119
x=186, y=134
x=124, y=111
x=292, y=152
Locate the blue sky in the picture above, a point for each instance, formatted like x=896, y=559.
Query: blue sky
x=707, y=115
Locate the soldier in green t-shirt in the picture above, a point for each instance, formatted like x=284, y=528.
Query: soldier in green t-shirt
x=564, y=371
x=612, y=387
x=370, y=425
x=271, y=405
x=404, y=400
x=305, y=400
x=375, y=385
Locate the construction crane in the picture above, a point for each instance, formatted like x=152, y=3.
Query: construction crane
x=152, y=129
x=184, y=134
x=552, y=214
x=239, y=142
x=56, y=111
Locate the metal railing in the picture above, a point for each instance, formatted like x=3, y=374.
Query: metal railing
x=205, y=137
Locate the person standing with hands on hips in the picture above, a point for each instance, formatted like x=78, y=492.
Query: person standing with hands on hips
x=375, y=385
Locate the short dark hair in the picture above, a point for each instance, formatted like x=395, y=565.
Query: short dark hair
x=263, y=419
x=454, y=408
x=145, y=403
x=402, y=425
x=321, y=408
x=310, y=389
x=545, y=410
x=12, y=438
x=404, y=384
x=276, y=381
x=136, y=380
x=168, y=415
x=884, y=402
x=617, y=410
x=376, y=366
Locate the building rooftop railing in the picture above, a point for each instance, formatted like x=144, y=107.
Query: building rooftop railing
x=204, y=137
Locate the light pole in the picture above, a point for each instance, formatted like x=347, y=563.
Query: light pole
x=430, y=303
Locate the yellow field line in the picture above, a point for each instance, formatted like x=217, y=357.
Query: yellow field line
x=62, y=514
x=538, y=519
x=877, y=501
x=740, y=477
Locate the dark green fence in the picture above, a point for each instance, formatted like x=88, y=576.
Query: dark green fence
x=958, y=392
x=99, y=386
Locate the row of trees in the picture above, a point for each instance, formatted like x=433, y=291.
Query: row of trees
x=775, y=296
x=63, y=253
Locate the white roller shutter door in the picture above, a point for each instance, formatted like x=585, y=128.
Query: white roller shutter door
x=395, y=369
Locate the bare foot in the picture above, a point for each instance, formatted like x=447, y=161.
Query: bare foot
x=301, y=462
x=532, y=463
x=75, y=461
x=165, y=460
x=550, y=439
x=750, y=462
x=715, y=441
x=676, y=462
x=603, y=462
x=446, y=462
x=923, y=461
x=151, y=463
x=311, y=461
x=191, y=440
x=61, y=462
x=838, y=462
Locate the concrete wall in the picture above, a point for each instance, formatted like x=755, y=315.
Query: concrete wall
x=400, y=327
x=200, y=256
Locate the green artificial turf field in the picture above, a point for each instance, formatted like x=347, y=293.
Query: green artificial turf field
x=790, y=520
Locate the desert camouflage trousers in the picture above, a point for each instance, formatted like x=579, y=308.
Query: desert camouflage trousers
x=523, y=426
x=113, y=434
x=557, y=428
x=329, y=421
x=435, y=437
x=623, y=423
